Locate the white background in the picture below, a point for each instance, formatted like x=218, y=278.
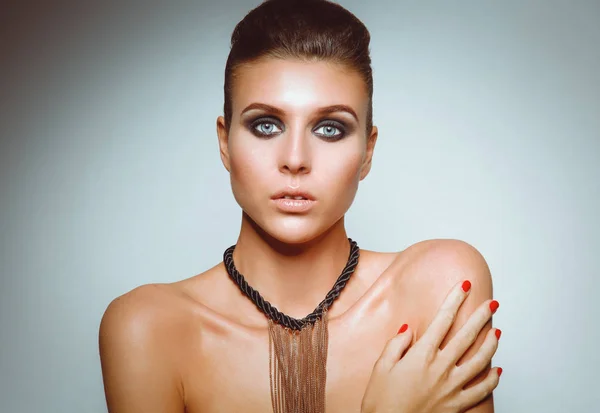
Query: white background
x=489, y=119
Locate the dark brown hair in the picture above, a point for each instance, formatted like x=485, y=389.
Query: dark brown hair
x=302, y=29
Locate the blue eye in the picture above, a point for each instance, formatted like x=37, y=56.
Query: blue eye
x=265, y=128
x=268, y=127
x=330, y=131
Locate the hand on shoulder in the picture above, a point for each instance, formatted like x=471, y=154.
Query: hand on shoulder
x=443, y=263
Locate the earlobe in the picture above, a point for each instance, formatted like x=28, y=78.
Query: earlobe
x=371, y=141
x=223, y=136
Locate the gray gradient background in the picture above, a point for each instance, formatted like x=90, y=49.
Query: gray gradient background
x=489, y=117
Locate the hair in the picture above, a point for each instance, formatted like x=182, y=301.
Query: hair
x=310, y=30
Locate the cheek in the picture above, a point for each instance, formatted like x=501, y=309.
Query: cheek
x=250, y=169
x=342, y=174
x=245, y=158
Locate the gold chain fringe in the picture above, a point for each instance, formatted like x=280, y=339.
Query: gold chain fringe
x=298, y=367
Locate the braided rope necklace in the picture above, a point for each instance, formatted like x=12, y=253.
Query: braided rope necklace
x=297, y=347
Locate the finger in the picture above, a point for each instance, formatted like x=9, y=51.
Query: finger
x=395, y=348
x=473, y=395
x=480, y=360
x=466, y=336
x=443, y=320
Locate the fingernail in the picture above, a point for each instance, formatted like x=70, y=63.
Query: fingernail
x=403, y=328
x=499, y=371
x=466, y=285
x=498, y=333
x=494, y=306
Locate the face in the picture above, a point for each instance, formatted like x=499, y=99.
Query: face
x=297, y=131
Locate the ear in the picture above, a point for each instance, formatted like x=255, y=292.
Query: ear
x=223, y=136
x=371, y=140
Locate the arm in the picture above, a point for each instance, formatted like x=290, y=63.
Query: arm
x=136, y=356
x=455, y=261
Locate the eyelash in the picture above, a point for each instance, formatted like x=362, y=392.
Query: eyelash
x=335, y=124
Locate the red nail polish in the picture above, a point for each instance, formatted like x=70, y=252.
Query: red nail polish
x=466, y=285
x=494, y=306
x=498, y=333
x=499, y=371
x=403, y=328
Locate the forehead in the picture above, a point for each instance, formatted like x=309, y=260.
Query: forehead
x=296, y=85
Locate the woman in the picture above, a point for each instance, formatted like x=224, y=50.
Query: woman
x=297, y=138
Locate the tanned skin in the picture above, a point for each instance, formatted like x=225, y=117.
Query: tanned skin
x=200, y=346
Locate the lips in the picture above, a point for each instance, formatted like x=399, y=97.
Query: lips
x=293, y=202
x=297, y=195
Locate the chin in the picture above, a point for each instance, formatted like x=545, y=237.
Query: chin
x=299, y=233
x=293, y=230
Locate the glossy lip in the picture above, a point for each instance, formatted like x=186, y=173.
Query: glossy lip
x=293, y=205
x=292, y=193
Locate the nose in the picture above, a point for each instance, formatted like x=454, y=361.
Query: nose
x=295, y=153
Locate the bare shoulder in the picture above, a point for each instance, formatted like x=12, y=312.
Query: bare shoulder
x=156, y=315
x=425, y=272
x=439, y=264
x=136, y=338
x=435, y=267
x=141, y=312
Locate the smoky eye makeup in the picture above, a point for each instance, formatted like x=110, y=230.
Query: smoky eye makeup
x=328, y=129
x=264, y=126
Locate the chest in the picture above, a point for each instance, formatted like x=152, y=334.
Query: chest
x=230, y=373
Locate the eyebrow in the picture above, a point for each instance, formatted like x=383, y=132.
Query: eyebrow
x=321, y=111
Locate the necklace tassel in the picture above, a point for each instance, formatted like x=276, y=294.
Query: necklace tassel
x=298, y=367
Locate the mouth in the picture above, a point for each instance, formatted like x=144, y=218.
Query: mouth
x=293, y=195
x=293, y=202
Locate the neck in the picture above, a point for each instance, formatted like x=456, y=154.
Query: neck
x=294, y=278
